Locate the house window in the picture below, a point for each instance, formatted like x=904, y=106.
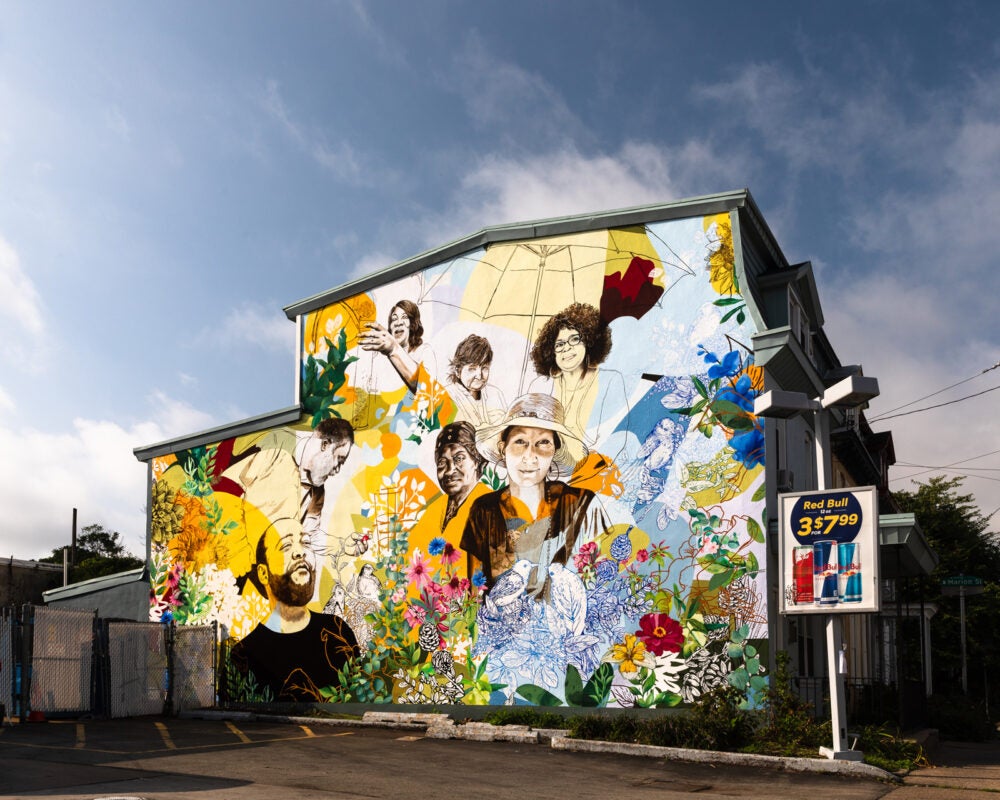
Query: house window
x=798, y=321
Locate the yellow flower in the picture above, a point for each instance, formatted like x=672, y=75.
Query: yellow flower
x=629, y=655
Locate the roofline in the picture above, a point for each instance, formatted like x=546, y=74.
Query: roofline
x=556, y=226
x=228, y=431
x=96, y=584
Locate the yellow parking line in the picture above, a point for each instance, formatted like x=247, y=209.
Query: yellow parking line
x=165, y=735
x=308, y=731
x=242, y=736
x=81, y=735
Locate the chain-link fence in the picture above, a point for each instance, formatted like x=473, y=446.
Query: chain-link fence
x=194, y=667
x=62, y=658
x=66, y=662
x=136, y=668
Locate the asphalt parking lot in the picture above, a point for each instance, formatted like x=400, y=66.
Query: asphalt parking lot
x=174, y=758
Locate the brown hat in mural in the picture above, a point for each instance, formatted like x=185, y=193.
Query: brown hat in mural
x=534, y=411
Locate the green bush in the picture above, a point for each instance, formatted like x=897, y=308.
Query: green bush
x=522, y=715
x=889, y=750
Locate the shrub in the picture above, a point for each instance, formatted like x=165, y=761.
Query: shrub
x=520, y=715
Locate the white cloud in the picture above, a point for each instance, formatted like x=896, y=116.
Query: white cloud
x=504, y=189
x=45, y=475
x=337, y=157
x=253, y=324
x=19, y=300
x=504, y=96
x=6, y=401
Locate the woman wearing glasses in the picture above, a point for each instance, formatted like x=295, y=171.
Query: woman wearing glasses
x=536, y=520
x=567, y=353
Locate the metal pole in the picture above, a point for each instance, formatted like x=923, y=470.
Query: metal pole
x=965, y=672
x=838, y=706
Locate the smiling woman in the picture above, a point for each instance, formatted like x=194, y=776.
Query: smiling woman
x=535, y=517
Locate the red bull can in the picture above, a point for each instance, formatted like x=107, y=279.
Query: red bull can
x=826, y=574
x=802, y=573
x=849, y=564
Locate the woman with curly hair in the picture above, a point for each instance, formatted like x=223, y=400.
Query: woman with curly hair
x=567, y=353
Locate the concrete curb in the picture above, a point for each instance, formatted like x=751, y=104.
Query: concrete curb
x=441, y=726
x=820, y=765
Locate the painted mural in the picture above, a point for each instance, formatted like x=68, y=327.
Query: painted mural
x=530, y=474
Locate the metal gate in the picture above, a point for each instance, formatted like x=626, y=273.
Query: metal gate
x=193, y=667
x=137, y=668
x=7, y=663
x=62, y=657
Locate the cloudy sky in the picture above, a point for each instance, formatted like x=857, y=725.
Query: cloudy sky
x=173, y=174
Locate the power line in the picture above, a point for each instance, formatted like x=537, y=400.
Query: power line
x=944, y=469
x=947, y=467
x=934, y=394
x=928, y=408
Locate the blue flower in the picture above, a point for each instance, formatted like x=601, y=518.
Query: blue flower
x=742, y=394
x=436, y=547
x=606, y=570
x=478, y=579
x=748, y=447
x=621, y=546
x=726, y=368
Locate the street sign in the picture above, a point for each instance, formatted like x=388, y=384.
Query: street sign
x=962, y=580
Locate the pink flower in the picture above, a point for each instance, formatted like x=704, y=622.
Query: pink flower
x=398, y=595
x=450, y=555
x=586, y=556
x=708, y=546
x=660, y=634
x=453, y=589
x=415, y=615
x=642, y=555
x=418, y=572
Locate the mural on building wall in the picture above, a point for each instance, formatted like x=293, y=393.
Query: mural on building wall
x=530, y=474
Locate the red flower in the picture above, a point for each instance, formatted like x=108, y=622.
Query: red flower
x=660, y=634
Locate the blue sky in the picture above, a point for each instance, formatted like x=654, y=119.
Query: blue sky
x=172, y=174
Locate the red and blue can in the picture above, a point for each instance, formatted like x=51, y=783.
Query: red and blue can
x=849, y=564
x=826, y=573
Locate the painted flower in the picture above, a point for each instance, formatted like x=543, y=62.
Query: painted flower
x=478, y=579
x=418, y=572
x=449, y=553
x=726, y=368
x=453, y=589
x=621, y=547
x=748, y=447
x=708, y=546
x=436, y=546
x=630, y=654
x=660, y=634
x=398, y=595
x=741, y=394
x=606, y=570
x=415, y=615
x=642, y=555
x=586, y=556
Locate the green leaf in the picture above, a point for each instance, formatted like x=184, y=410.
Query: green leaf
x=739, y=679
x=598, y=688
x=699, y=386
x=755, y=531
x=760, y=494
x=574, y=687
x=537, y=695
x=737, y=311
x=741, y=317
x=731, y=415
x=720, y=579
x=728, y=301
x=667, y=700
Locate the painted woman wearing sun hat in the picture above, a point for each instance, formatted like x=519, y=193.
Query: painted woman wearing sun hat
x=536, y=518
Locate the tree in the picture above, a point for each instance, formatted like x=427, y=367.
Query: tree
x=958, y=532
x=99, y=552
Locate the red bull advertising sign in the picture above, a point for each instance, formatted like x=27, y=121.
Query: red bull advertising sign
x=829, y=551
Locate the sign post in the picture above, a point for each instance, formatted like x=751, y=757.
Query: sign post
x=829, y=564
x=962, y=585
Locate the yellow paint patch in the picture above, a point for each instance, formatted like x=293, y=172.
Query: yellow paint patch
x=238, y=733
x=165, y=735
